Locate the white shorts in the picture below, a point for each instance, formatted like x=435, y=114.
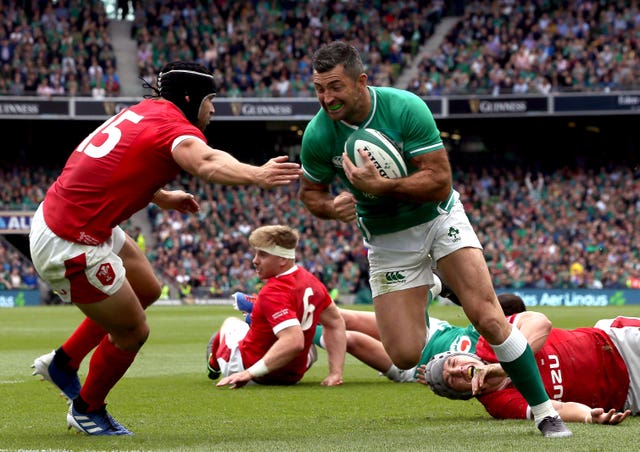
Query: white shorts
x=404, y=259
x=625, y=334
x=78, y=273
x=228, y=355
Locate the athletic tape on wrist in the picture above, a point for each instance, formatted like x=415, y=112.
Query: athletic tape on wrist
x=259, y=369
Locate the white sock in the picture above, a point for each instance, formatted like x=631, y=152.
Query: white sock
x=543, y=410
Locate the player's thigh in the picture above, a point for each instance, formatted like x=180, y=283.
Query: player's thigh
x=362, y=321
x=466, y=272
x=139, y=272
x=401, y=321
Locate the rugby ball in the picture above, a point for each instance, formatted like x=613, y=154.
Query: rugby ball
x=381, y=150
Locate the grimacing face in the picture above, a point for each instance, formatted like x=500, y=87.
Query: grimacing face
x=455, y=372
x=340, y=96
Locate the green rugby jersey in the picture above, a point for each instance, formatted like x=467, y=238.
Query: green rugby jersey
x=407, y=121
x=445, y=337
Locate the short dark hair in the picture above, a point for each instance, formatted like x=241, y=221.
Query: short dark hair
x=338, y=53
x=182, y=78
x=511, y=303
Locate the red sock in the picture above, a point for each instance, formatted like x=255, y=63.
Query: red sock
x=84, y=339
x=107, y=366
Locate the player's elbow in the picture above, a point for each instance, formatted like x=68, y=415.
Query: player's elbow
x=443, y=189
x=293, y=341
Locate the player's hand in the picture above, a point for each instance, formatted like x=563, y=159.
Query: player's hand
x=345, y=207
x=420, y=374
x=177, y=200
x=611, y=417
x=332, y=380
x=480, y=374
x=278, y=171
x=365, y=178
x=236, y=381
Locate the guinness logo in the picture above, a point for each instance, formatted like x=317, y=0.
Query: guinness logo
x=236, y=108
x=474, y=105
x=109, y=108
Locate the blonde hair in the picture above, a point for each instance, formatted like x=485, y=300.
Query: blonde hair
x=274, y=235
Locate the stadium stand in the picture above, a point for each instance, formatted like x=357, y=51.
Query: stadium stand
x=56, y=48
x=566, y=228
x=263, y=48
x=503, y=47
x=557, y=228
x=563, y=229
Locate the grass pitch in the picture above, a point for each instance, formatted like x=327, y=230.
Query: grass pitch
x=167, y=400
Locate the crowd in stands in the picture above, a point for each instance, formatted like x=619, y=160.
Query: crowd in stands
x=16, y=272
x=56, y=48
x=566, y=228
x=263, y=48
x=536, y=47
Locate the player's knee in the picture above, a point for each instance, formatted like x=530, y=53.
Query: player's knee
x=149, y=293
x=133, y=338
x=405, y=359
x=406, y=362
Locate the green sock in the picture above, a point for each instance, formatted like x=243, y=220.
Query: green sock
x=526, y=377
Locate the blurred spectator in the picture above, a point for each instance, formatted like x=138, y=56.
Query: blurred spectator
x=30, y=278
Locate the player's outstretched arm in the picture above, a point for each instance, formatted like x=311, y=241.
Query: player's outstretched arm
x=578, y=412
x=214, y=165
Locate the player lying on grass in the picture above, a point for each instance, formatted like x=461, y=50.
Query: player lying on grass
x=447, y=339
x=363, y=337
x=278, y=348
x=591, y=374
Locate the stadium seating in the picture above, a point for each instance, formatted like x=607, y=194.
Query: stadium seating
x=263, y=49
x=62, y=49
x=560, y=229
x=536, y=47
x=532, y=231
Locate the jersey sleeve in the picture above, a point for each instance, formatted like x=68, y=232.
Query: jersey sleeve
x=506, y=403
x=422, y=134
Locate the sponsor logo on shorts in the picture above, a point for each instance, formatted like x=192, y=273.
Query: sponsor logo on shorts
x=454, y=234
x=394, y=277
x=106, y=275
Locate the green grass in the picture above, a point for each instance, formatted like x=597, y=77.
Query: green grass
x=168, y=402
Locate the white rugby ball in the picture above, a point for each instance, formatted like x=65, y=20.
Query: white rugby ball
x=381, y=150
